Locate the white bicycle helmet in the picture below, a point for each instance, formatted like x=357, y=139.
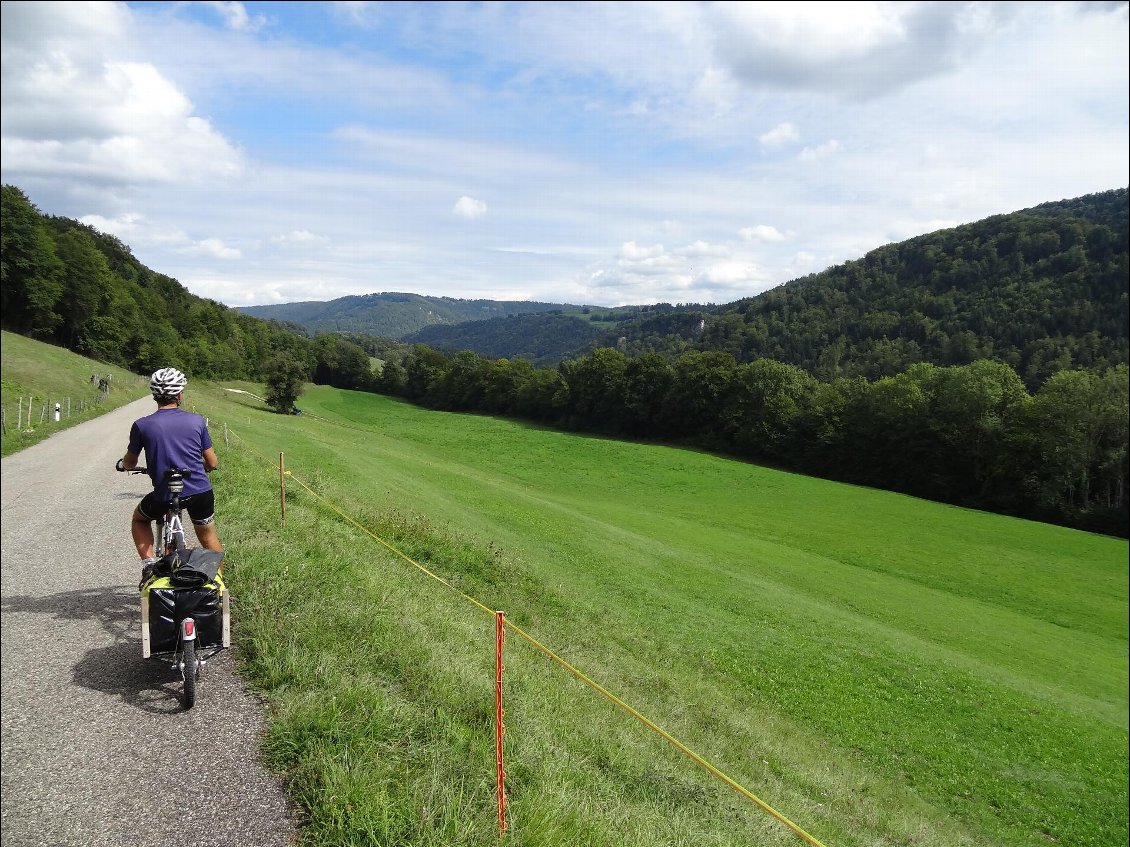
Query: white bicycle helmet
x=167, y=383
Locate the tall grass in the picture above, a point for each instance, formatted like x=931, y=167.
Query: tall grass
x=879, y=669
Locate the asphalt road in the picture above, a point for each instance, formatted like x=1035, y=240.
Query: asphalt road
x=95, y=747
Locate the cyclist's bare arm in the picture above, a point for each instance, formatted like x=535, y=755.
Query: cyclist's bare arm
x=128, y=462
x=210, y=460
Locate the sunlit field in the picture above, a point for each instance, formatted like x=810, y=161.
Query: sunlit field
x=876, y=669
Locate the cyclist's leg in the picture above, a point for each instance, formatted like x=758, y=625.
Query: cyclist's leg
x=141, y=528
x=201, y=509
x=207, y=536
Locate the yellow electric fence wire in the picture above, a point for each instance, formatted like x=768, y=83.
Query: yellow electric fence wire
x=666, y=736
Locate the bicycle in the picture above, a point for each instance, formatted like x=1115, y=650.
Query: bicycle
x=181, y=596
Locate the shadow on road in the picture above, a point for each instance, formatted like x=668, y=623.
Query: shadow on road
x=116, y=609
x=147, y=684
x=151, y=685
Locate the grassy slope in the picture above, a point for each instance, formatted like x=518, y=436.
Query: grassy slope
x=45, y=373
x=881, y=669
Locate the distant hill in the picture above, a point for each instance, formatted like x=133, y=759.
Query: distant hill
x=392, y=314
x=1043, y=290
x=543, y=339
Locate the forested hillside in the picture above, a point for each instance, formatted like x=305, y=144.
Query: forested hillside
x=390, y=314
x=544, y=339
x=1041, y=290
x=68, y=284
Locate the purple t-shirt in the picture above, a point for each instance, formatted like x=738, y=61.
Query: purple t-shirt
x=172, y=438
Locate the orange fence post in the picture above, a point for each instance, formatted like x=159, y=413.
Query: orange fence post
x=499, y=729
x=282, y=487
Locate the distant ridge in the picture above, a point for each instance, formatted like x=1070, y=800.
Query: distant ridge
x=392, y=314
x=1042, y=289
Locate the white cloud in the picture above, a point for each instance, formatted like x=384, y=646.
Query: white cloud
x=734, y=275
x=761, y=232
x=779, y=136
x=236, y=17
x=632, y=252
x=124, y=227
x=70, y=107
x=137, y=232
x=860, y=49
x=703, y=249
x=821, y=151
x=469, y=208
x=302, y=238
x=716, y=89
x=212, y=248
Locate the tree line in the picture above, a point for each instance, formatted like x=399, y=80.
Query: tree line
x=972, y=435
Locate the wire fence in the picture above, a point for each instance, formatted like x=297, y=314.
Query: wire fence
x=285, y=474
x=29, y=412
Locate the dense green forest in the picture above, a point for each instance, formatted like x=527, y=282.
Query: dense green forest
x=67, y=284
x=994, y=424
x=543, y=339
x=391, y=314
x=1043, y=290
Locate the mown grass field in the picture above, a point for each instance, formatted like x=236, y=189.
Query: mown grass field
x=880, y=670
x=877, y=669
x=38, y=375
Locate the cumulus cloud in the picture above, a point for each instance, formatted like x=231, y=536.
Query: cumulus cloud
x=761, y=232
x=213, y=248
x=236, y=17
x=716, y=89
x=821, y=151
x=732, y=274
x=859, y=49
x=700, y=272
x=138, y=231
x=779, y=136
x=140, y=234
x=469, y=208
x=124, y=227
x=301, y=238
x=68, y=109
x=632, y=252
x=702, y=249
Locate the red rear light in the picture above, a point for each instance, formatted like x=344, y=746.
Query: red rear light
x=189, y=628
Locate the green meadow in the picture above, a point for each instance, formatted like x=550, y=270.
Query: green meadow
x=36, y=376
x=866, y=668
x=876, y=669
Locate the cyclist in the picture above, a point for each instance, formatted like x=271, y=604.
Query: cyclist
x=172, y=438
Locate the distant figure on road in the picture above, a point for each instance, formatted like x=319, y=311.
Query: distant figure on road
x=172, y=438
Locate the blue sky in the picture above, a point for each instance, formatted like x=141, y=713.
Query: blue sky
x=595, y=153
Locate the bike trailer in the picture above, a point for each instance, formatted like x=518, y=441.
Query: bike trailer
x=164, y=604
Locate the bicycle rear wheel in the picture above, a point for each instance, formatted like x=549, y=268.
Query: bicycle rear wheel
x=188, y=671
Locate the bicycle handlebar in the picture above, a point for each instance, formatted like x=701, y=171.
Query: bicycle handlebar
x=184, y=472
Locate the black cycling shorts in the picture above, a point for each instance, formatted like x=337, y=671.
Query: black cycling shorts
x=200, y=507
